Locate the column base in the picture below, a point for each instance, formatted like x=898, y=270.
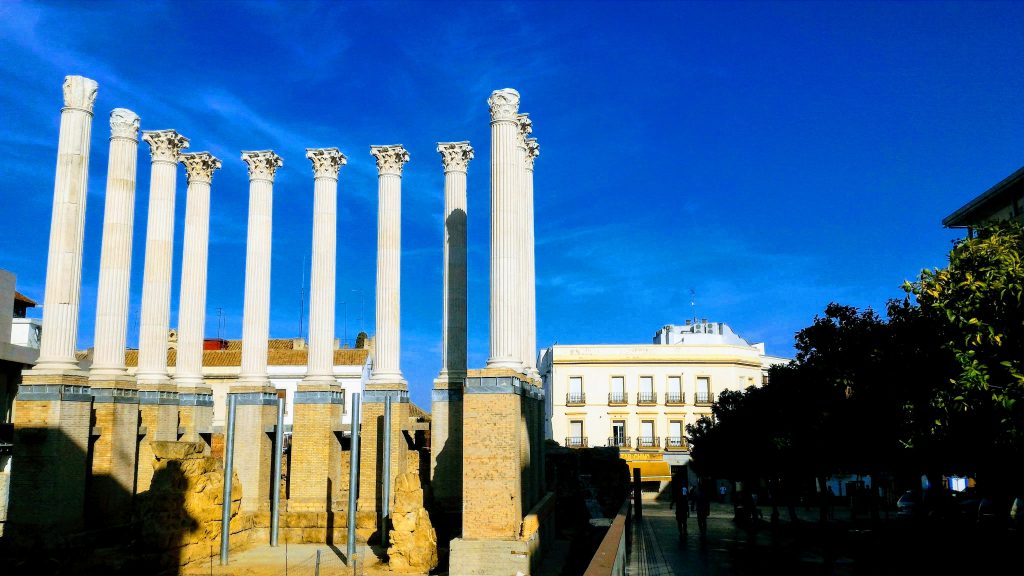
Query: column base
x=489, y=557
x=195, y=414
x=115, y=436
x=52, y=417
x=255, y=418
x=446, y=445
x=371, y=441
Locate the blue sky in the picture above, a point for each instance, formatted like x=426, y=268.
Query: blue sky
x=772, y=157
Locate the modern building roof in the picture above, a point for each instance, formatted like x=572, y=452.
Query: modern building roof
x=994, y=201
x=28, y=302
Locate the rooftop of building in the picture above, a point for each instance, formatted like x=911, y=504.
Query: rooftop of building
x=980, y=209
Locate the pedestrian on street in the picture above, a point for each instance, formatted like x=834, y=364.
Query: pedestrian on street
x=680, y=502
x=703, y=503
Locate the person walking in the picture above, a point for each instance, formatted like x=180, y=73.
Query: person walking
x=681, y=504
x=703, y=505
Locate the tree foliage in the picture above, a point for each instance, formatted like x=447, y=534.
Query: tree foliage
x=936, y=386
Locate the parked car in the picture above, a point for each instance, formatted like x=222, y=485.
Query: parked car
x=908, y=505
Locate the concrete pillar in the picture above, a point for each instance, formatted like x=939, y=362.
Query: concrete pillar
x=195, y=397
x=256, y=404
x=158, y=397
x=386, y=379
x=115, y=395
x=506, y=347
x=446, y=408
x=316, y=473
x=525, y=126
x=53, y=405
x=529, y=264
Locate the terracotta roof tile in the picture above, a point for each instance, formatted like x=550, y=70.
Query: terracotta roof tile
x=275, y=357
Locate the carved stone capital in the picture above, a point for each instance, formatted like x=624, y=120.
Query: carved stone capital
x=80, y=93
x=124, y=124
x=504, y=105
x=532, y=151
x=455, y=155
x=263, y=164
x=390, y=159
x=199, y=166
x=164, y=145
x=525, y=129
x=327, y=162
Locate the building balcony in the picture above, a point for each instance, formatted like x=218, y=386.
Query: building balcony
x=648, y=443
x=704, y=399
x=618, y=399
x=675, y=399
x=577, y=399
x=619, y=442
x=576, y=442
x=677, y=444
x=647, y=399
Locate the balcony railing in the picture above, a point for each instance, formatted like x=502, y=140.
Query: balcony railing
x=648, y=443
x=618, y=398
x=576, y=442
x=676, y=444
x=704, y=399
x=575, y=399
x=619, y=442
x=647, y=398
x=675, y=399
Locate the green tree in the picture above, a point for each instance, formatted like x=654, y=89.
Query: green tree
x=977, y=300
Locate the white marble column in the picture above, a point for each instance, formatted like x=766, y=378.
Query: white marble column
x=506, y=348
x=116, y=252
x=525, y=128
x=390, y=160
x=455, y=156
x=327, y=163
x=164, y=147
x=530, y=278
x=67, y=228
x=199, y=167
x=256, y=313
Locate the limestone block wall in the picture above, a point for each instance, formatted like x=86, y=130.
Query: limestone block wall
x=446, y=449
x=492, y=481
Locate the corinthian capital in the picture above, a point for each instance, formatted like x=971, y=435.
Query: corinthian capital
x=124, y=124
x=199, y=166
x=390, y=159
x=455, y=155
x=164, y=145
x=263, y=164
x=532, y=151
x=327, y=162
x=80, y=93
x=504, y=105
x=525, y=129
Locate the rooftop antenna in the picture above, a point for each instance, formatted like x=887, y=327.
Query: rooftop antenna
x=693, y=304
x=302, y=296
x=220, y=323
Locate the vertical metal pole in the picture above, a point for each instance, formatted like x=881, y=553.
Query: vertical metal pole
x=385, y=504
x=317, y=571
x=229, y=457
x=275, y=479
x=353, y=477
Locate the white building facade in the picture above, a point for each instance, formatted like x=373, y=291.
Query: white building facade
x=640, y=397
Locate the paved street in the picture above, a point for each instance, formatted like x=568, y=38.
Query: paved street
x=840, y=547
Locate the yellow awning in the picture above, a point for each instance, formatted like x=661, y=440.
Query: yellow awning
x=656, y=470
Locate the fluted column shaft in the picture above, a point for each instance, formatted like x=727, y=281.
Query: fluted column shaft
x=326, y=164
x=529, y=266
x=390, y=160
x=199, y=167
x=455, y=157
x=67, y=228
x=256, y=310
x=116, y=252
x=165, y=146
x=505, y=350
x=522, y=318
